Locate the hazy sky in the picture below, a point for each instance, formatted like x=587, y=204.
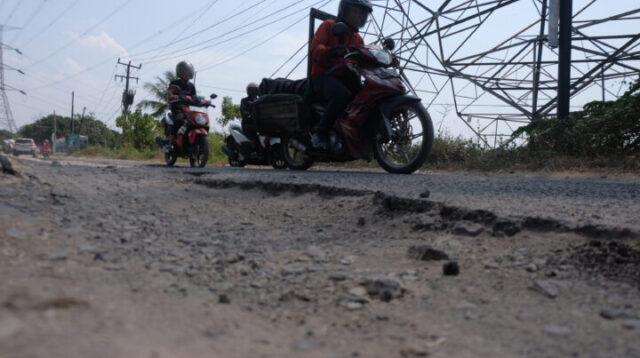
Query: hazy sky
x=74, y=45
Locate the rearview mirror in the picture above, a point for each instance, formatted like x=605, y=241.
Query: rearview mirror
x=389, y=44
x=213, y=96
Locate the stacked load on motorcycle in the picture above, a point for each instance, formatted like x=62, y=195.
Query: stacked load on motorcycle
x=249, y=144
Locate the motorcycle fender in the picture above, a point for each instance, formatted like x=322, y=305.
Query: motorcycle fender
x=238, y=135
x=169, y=119
x=194, y=134
x=386, y=106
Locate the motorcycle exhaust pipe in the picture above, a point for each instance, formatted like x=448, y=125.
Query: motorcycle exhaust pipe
x=298, y=145
x=159, y=141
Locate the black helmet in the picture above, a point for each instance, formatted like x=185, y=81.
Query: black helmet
x=363, y=4
x=184, y=68
x=252, y=90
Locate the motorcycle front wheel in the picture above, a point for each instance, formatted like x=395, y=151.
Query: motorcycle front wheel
x=233, y=154
x=200, y=156
x=170, y=158
x=276, y=159
x=411, y=139
x=295, y=159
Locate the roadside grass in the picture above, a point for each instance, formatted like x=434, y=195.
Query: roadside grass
x=121, y=153
x=458, y=154
x=127, y=152
x=448, y=154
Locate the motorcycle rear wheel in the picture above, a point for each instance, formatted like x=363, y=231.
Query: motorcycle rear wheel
x=201, y=152
x=295, y=159
x=407, y=151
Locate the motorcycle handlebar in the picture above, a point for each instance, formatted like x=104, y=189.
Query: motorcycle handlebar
x=183, y=100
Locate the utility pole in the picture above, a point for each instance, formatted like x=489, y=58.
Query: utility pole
x=82, y=120
x=564, y=68
x=73, y=94
x=127, y=95
x=54, y=136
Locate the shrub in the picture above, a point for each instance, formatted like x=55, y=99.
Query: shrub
x=601, y=129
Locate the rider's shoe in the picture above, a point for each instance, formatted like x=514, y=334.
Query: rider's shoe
x=320, y=141
x=166, y=148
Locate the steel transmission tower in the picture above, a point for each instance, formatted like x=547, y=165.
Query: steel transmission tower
x=495, y=63
x=6, y=116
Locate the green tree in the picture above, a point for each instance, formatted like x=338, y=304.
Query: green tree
x=42, y=128
x=230, y=111
x=138, y=129
x=97, y=131
x=158, y=90
x=5, y=134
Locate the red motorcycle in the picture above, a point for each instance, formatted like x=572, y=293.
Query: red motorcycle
x=192, y=141
x=382, y=121
x=45, y=151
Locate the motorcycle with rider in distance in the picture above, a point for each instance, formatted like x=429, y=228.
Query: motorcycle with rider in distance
x=192, y=141
x=382, y=121
x=241, y=151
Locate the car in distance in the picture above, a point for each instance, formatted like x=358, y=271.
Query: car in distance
x=25, y=146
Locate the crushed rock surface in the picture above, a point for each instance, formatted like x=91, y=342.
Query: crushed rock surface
x=99, y=259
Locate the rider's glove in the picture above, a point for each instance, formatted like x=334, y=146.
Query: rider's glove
x=395, y=62
x=337, y=51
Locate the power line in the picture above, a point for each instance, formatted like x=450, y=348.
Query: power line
x=86, y=32
x=109, y=82
x=262, y=42
x=173, y=24
x=30, y=19
x=286, y=16
x=194, y=34
x=55, y=20
x=290, y=58
x=6, y=21
x=111, y=58
x=280, y=19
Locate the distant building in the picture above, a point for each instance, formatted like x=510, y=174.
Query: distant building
x=71, y=143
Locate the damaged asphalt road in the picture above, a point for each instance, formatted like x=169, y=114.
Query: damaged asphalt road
x=125, y=259
x=575, y=201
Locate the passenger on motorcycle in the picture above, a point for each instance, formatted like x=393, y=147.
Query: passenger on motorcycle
x=177, y=88
x=332, y=82
x=248, y=122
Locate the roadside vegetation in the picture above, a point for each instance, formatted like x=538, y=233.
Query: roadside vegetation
x=603, y=136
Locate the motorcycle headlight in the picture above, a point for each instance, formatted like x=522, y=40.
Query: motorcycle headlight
x=386, y=73
x=201, y=120
x=382, y=56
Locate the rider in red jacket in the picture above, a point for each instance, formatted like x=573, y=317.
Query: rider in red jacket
x=178, y=87
x=45, y=146
x=332, y=82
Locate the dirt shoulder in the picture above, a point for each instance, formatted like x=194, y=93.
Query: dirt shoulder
x=104, y=261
